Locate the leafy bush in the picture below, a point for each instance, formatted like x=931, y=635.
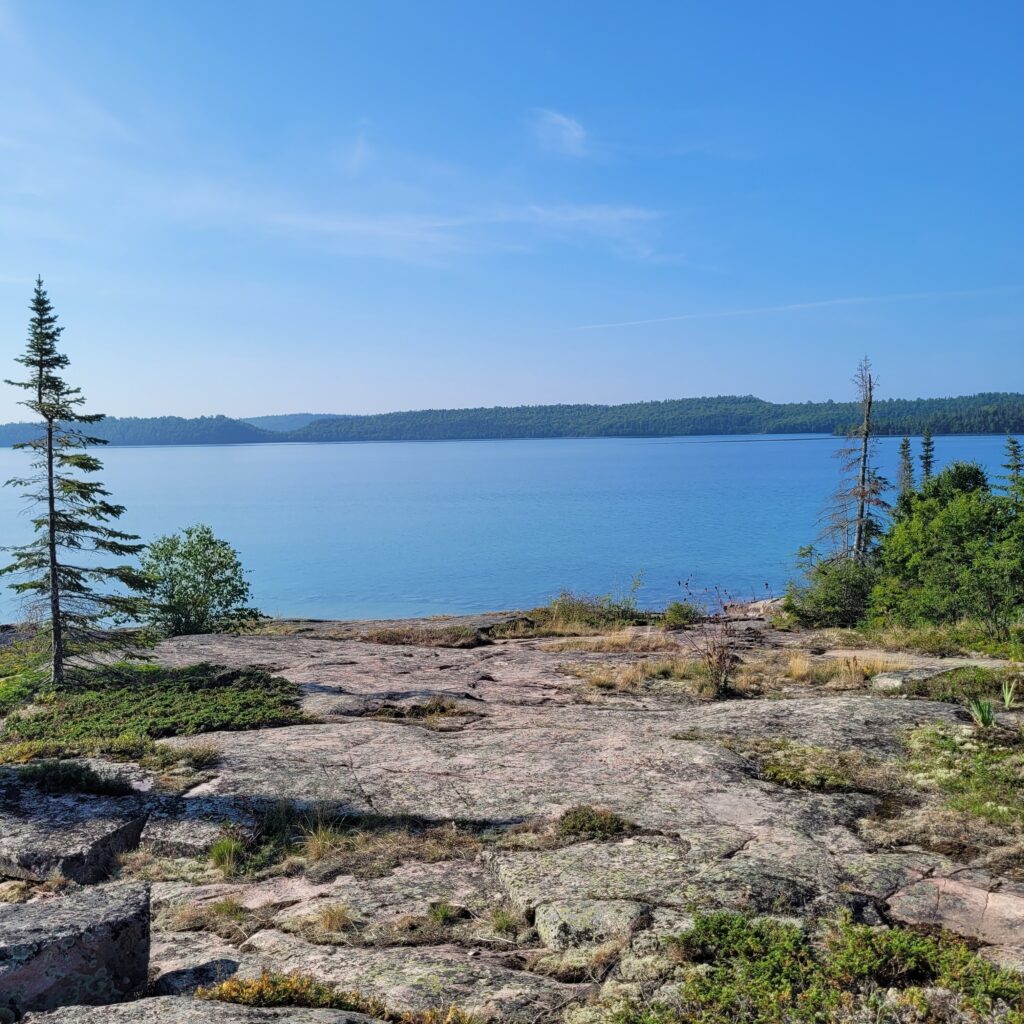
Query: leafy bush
x=955, y=552
x=835, y=592
x=195, y=583
x=682, y=613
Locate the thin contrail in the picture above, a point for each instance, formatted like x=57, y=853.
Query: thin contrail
x=852, y=301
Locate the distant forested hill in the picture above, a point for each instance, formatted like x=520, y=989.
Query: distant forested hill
x=981, y=414
x=993, y=413
x=288, y=421
x=156, y=430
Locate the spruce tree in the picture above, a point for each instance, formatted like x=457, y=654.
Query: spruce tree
x=62, y=567
x=927, y=454
x=906, y=475
x=1014, y=464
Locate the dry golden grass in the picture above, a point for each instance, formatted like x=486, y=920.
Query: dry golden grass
x=371, y=852
x=336, y=918
x=426, y=636
x=852, y=672
x=619, y=642
x=226, y=918
x=634, y=676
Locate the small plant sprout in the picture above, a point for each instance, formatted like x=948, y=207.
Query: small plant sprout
x=982, y=712
x=1009, y=693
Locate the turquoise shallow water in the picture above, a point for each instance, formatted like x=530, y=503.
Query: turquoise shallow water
x=376, y=530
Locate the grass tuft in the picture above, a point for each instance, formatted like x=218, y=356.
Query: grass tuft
x=586, y=822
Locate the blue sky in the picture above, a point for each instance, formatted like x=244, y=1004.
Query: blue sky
x=270, y=207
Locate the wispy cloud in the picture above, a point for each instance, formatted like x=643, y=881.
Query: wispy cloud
x=360, y=154
x=71, y=164
x=559, y=133
x=856, y=300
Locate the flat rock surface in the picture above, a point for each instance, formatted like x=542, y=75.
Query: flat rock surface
x=507, y=929
x=423, y=976
x=871, y=724
x=975, y=907
x=167, y=1010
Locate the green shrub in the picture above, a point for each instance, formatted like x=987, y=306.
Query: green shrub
x=835, y=592
x=761, y=971
x=682, y=613
x=961, y=685
x=584, y=821
x=956, y=551
x=71, y=777
x=195, y=583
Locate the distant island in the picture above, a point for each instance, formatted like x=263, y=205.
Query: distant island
x=988, y=413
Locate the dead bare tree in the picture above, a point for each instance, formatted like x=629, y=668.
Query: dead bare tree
x=854, y=517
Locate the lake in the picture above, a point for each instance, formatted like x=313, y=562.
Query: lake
x=404, y=529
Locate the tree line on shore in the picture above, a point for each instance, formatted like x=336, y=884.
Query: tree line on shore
x=992, y=413
x=938, y=549
x=947, y=548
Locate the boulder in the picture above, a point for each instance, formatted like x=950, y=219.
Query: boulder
x=91, y=947
x=587, y=922
x=171, y=1010
x=77, y=835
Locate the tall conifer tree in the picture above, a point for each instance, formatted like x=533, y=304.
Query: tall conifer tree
x=62, y=567
x=905, y=481
x=1014, y=464
x=927, y=454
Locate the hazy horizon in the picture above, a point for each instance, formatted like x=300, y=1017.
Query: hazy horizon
x=402, y=206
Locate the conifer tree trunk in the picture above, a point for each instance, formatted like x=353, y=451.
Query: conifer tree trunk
x=866, y=385
x=56, y=632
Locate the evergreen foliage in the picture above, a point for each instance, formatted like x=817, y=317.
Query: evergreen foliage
x=1014, y=465
x=992, y=413
x=905, y=482
x=956, y=551
x=61, y=570
x=927, y=454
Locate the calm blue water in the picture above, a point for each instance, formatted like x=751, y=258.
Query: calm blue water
x=374, y=530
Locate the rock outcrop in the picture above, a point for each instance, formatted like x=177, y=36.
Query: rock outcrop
x=90, y=947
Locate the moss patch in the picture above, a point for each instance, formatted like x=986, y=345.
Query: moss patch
x=271, y=989
x=120, y=710
x=757, y=971
x=980, y=773
x=70, y=777
x=962, y=685
x=586, y=822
